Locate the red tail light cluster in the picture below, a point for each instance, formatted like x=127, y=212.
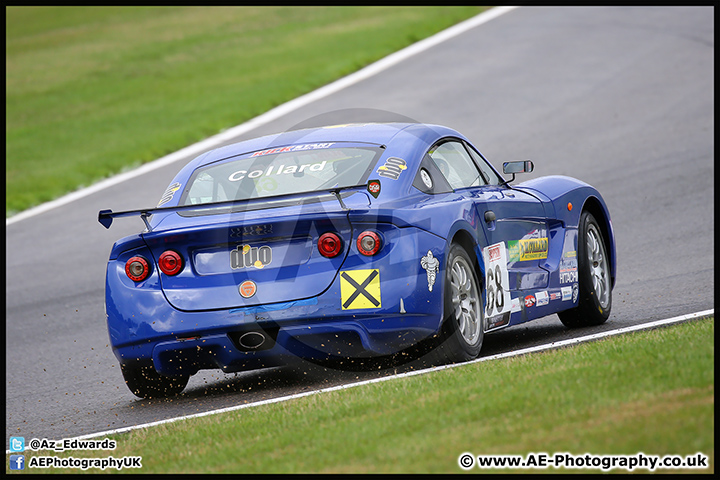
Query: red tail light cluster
x=170, y=262
x=137, y=268
x=330, y=245
x=368, y=243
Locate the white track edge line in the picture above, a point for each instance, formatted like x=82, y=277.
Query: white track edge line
x=270, y=115
x=549, y=346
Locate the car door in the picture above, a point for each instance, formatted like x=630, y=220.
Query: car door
x=507, y=216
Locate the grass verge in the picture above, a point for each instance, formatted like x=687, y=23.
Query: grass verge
x=91, y=91
x=649, y=392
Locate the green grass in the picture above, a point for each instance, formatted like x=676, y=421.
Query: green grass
x=91, y=91
x=649, y=392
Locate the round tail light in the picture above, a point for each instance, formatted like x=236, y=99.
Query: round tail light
x=170, y=262
x=137, y=269
x=369, y=243
x=330, y=245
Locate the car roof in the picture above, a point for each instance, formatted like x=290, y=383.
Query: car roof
x=406, y=142
x=401, y=135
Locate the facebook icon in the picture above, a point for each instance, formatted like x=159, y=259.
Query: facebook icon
x=17, y=462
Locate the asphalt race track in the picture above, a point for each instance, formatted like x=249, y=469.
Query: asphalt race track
x=622, y=98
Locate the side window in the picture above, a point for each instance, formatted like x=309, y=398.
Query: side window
x=489, y=174
x=453, y=160
x=429, y=179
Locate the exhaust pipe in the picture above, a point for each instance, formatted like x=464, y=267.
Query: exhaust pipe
x=251, y=340
x=261, y=338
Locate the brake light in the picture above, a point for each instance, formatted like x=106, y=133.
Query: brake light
x=137, y=269
x=330, y=245
x=369, y=243
x=170, y=262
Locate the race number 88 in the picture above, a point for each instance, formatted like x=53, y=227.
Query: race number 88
x=495, y=297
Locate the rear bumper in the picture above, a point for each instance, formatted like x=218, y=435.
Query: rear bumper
x=145, y=328
x=319, y=341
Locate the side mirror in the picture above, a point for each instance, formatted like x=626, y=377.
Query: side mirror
x=517, y=167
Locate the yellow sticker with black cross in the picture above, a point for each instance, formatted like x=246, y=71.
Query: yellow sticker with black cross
x=360, y=289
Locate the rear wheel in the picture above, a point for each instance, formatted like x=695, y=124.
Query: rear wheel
x=595, y=287
x=462, y=333
x=145, y=382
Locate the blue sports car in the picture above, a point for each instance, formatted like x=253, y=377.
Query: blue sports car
x=348, y=241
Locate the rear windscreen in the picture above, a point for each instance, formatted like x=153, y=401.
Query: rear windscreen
x=282, y=171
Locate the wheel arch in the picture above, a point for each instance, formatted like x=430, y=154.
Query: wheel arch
x=449, y=332
x=467, y=242
x=598, y=210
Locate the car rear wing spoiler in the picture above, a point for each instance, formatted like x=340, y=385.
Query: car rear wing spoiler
x=105, y=217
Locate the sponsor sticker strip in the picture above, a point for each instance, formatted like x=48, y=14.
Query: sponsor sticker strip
x=293, y=148
x=527, y=249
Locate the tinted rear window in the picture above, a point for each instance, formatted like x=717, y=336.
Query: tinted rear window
x=282, y=171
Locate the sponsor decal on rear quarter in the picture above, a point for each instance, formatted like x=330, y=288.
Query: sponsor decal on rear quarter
x=374, y=188
x=169, y=193
x=392, y=168
x=431, y=265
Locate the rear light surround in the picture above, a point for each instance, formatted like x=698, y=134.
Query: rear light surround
x=369, y=243
x=170, y=262
x=330, y=245
x=137, y=268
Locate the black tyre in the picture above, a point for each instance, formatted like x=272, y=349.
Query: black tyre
x=595, y=284
x=461, y=336
x=145, y=382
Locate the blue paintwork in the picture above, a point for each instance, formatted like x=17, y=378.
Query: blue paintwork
x=187, y=318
